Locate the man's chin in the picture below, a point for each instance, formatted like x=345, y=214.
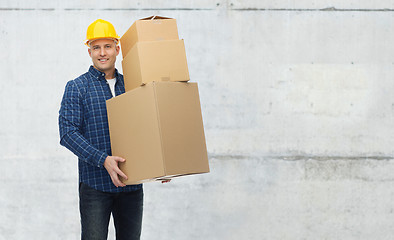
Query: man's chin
x=103, y=67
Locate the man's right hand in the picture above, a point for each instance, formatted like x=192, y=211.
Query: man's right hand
x=111, y=164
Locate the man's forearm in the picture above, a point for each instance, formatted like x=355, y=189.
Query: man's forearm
x=76, y=143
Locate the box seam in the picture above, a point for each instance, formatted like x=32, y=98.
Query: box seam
x=159, y=123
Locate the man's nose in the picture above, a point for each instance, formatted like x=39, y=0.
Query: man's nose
x=102, y=52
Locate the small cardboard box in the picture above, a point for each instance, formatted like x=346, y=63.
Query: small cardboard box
x=158, y=129
x=154, y=28
x=155, y=61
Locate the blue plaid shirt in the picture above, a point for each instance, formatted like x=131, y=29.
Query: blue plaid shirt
x=83, y=127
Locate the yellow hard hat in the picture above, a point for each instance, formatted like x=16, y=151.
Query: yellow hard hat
x=100, y=29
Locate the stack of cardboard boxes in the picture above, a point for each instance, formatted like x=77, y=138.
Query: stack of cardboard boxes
x=157, y=124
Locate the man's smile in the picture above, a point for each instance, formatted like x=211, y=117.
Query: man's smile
x=103, y=60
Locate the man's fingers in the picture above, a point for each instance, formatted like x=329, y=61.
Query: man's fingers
x=120, y=173
x=116, y=181
x=116, y=173
x=118, y=159
x=111, y=164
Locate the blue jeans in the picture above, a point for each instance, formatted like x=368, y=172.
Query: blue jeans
x=96, y=207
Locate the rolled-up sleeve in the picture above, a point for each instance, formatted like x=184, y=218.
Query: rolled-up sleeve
x=70, y=123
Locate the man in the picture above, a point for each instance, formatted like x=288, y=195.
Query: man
x=84, y=130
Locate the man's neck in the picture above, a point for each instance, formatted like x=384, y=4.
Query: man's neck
x=110, y=74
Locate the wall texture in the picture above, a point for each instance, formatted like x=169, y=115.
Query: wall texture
x=297, y=105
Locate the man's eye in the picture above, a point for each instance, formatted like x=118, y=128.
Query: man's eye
x=108, y=46
x=96, y=48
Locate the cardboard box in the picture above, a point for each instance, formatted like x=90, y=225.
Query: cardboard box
x=158, y=129
x=155, y=61
x=154, y=28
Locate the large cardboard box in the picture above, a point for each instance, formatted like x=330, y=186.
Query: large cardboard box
x=158, y=129
x=155, y=61
x=154, y=28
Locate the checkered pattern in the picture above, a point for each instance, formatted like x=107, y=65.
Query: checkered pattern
x=83, y=126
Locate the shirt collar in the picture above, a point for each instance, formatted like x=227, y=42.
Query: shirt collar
x=100, y=75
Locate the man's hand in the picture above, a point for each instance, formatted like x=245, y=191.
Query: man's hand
x=111, y=164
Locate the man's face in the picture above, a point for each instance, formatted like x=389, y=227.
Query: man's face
x=103, y=53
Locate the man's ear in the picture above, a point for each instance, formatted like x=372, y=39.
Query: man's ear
x=117, y=50
x=90, y=52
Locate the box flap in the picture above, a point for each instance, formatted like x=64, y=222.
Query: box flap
x=162, y=28
x=154, y=18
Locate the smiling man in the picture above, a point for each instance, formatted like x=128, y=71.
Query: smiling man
x=83, y=127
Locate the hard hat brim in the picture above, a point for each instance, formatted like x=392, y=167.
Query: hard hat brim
x=87, y=41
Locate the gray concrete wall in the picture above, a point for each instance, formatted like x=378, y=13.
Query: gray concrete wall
x=297, y=105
